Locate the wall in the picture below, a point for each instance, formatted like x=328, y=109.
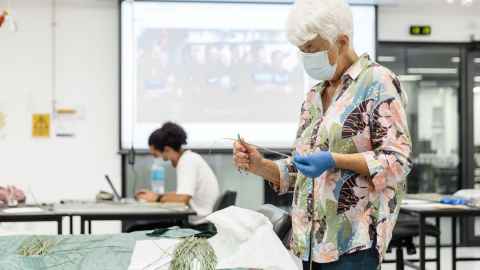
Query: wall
x=87, y=77
x=450, y=23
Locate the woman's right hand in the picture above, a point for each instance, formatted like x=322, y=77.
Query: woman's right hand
x=246, y=157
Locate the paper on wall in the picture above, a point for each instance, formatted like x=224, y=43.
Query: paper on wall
x=40, y=125
x=3, y=120
x=68, y=120
x=3, y=124
x=246, y=239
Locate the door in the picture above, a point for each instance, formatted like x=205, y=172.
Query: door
x=473, y=94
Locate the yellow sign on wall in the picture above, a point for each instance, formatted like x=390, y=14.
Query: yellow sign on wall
x=41, y=125
x=3, y=120
x=3, y=124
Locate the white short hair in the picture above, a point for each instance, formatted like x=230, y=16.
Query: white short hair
x=325, y=18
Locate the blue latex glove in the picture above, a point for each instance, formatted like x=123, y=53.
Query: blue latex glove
x=315, y=164
x=453, y=201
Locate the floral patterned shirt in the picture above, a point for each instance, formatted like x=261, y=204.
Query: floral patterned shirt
x=341, y=211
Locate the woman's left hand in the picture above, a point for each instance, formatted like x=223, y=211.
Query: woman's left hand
x=146, y=195
x=314, y=165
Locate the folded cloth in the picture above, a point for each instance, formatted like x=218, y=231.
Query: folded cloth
x=245, y=239
x=199, y=231
x=173, y=232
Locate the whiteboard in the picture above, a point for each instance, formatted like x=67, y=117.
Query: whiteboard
x=217, y=69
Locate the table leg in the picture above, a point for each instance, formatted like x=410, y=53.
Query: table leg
x=454, y=243
x=82, y=225
x=60, y=226
x=89, y=226
x=422, y=242
x=71, y=224
x=437, y=242
x=400, y=264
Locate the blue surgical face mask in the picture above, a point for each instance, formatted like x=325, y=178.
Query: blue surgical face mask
x=318, y=66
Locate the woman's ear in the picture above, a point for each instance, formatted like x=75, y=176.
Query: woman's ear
x=343, y=43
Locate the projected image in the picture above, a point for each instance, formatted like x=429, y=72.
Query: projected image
x=218, y=69
x=216, y=75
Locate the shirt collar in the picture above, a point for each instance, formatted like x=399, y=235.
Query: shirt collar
x=351, y=73
x=356, y=68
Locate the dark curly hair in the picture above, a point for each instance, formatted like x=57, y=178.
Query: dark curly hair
x=170, y=134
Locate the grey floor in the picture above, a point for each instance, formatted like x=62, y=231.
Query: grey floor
x=446, y=259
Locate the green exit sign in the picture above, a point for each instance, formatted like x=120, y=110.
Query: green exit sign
x=420, y=30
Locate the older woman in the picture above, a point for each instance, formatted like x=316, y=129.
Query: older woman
x=352, y=147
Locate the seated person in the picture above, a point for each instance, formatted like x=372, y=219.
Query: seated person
x=197, y=185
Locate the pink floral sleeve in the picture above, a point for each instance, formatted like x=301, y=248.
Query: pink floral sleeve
x=388, y=161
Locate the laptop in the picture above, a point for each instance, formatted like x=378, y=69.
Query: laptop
x=116, y=195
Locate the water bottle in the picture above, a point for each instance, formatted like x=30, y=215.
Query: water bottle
x=157, y=177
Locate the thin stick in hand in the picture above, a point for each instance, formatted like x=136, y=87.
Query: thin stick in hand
x=259, y=147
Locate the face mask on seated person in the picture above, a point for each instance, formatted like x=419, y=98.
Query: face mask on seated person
x=318, y=66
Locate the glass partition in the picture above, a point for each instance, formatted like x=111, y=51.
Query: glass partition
x=430, y=76
x=476, y=118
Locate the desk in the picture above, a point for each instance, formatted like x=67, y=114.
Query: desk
x=454, y=213
x=47, y=214
x=90, y=211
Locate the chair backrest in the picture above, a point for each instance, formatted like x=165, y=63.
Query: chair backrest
x=281, y=220
x=227, y=199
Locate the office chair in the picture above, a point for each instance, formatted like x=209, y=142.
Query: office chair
x=405, y=230
x=280, y=219
x=229, y=198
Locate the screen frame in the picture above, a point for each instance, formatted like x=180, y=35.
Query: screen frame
x=126, y=150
